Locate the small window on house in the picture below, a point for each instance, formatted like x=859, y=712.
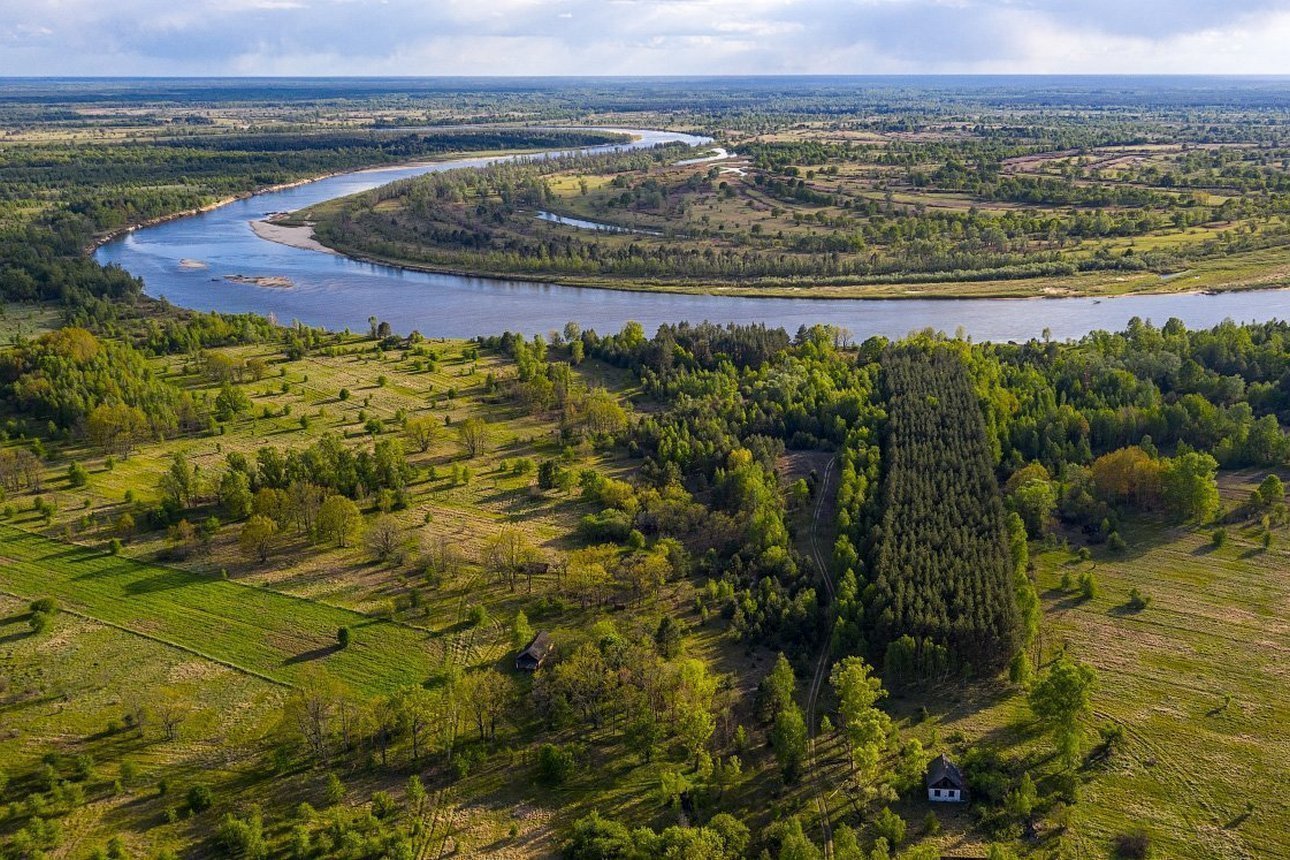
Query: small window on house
x=936, y=792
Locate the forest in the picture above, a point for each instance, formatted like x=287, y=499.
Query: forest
x=263, y=587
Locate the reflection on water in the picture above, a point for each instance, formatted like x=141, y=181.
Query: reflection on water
x=189, y=260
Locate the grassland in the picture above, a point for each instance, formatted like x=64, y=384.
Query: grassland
x=258, y=630
x=67, y=695
x=270, y=635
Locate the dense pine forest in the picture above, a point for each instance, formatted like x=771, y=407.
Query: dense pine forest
x=942, y=570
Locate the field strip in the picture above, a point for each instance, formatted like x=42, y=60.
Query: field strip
x=283, y=637
x=176, y=645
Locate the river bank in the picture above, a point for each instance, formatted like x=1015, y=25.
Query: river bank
x=292, y=235
x=1264, y=269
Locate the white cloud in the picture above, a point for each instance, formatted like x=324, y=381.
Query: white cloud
x=524, y=37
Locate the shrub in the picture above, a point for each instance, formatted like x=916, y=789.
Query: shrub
x=383, y=805
x=343, y=636
x=1218, y=537
x=890, y=826
x=335, y=790
x=1138, y=601
x=47, y=605
x=241, y=838
x=1087, y=586
x=200, y=798
x=555, y=764
x=1132, y=846
x=608, y=525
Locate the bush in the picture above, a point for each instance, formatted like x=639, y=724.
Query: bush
x=335, y=790
x=244, y=839
x=39, y=621
x=200, y=798
x=555, y=764
x=343, y=637
x=1138, y=601
x=608, y=525
x=890, y=826
x=1132, y=846
x=47, y=605
x=1218, y=537
x=1087, y=586
x=383, y=805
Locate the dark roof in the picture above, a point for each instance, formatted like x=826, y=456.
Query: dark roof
x=941, y=769
x=536, y=650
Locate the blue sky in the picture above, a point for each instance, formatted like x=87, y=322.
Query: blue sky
x=572, y=37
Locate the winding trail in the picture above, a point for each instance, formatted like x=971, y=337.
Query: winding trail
x=826, y=492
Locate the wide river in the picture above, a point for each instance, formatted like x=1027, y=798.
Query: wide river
x=187, y=261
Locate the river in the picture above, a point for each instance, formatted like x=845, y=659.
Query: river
x=189, y=261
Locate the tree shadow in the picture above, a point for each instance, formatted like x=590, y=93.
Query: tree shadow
x=1126, y=610
x=167, y=580
x=312, y=654
x=1238, y=820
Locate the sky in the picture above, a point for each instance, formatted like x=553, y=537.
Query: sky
x=642, y=37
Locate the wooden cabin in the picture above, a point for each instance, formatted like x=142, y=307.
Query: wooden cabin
x=533, y=655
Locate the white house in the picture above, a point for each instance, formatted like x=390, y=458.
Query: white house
x=945, y=783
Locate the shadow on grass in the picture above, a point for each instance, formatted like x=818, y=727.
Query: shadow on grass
x=166, y=580
x=1238, y=820
x=312, y=654
x=1126, y=610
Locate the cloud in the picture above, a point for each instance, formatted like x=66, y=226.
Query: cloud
x=527, y=37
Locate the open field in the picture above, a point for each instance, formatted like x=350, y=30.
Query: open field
x=1198, y=680
x=67, y=697
x=270, y=635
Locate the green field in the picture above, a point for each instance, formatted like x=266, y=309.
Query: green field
x=265, y=633
x=1193, y=758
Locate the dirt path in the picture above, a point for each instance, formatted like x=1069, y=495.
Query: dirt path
x=827, y=490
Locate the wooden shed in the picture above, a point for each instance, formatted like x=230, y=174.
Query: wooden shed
x=534, y=653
